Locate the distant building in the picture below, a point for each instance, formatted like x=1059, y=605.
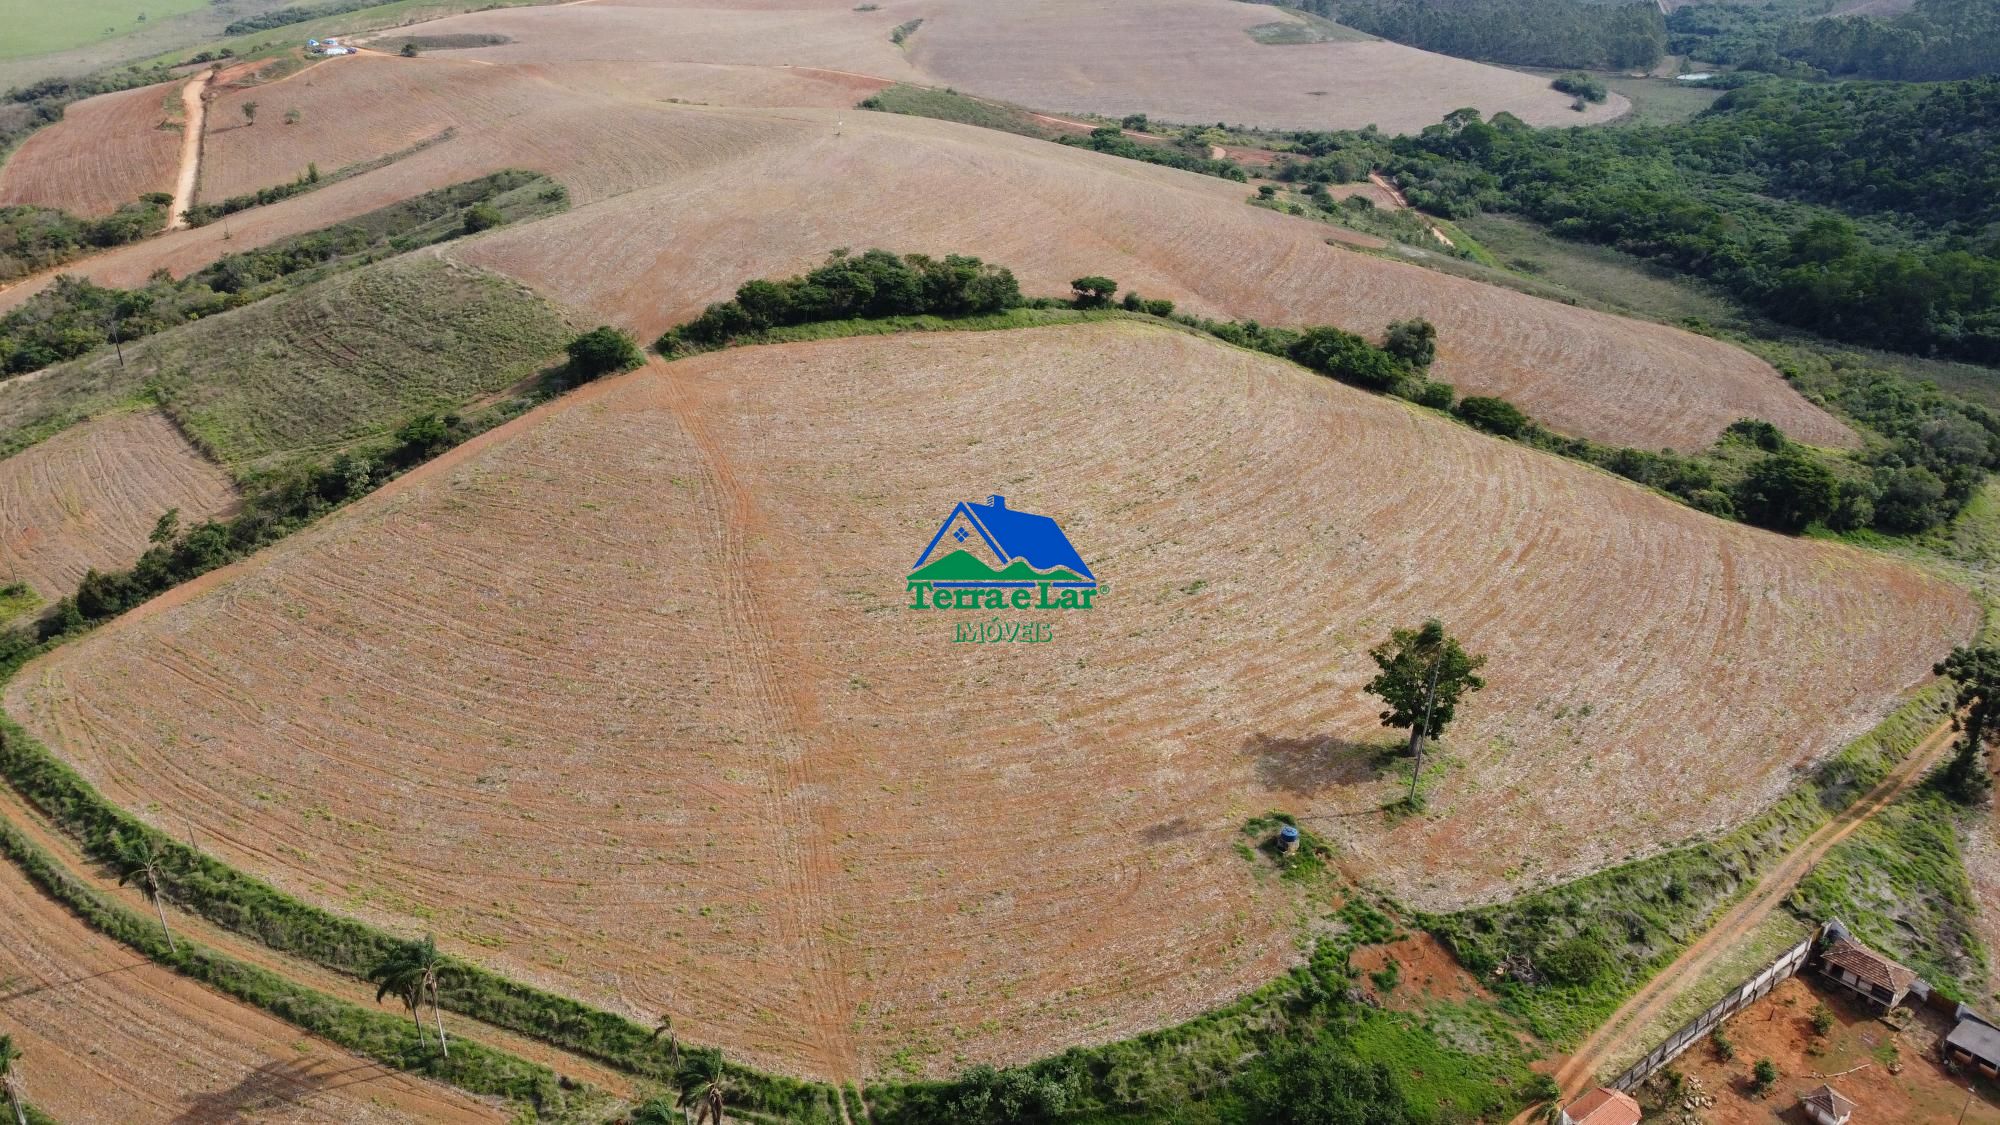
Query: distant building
x=1827, y=1106
x=1601, y=1107
x=1974, y=1043
x=1866, y=973
x=1702, y=77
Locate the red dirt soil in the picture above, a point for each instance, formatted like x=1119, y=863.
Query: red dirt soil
x=1426, y=970
x=89, y=496
x=1779, y=1028
x=621, y=698
x=106, y=151
x=109, y=1038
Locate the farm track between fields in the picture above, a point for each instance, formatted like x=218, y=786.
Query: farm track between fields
x=1614, y=1037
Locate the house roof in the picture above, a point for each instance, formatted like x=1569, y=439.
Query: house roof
x=1830, y=1100
x=1604, y=1107
x=1870, y=966
x=1976, y=1037
x=1014, y=534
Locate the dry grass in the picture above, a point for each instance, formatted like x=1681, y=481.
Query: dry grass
x=345, y=358
x=89, y=496
x=109, y=1037
x=1194, y=61
x=106, y=151
x=622, y=697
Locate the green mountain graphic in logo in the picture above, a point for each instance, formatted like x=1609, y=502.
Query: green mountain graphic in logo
x=963, y=566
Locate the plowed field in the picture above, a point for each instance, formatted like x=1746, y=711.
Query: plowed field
x=1194, y=61
x=655, y=257
x=106, y=151
x=89, y=496
x=109, y=1038
x=623, y=697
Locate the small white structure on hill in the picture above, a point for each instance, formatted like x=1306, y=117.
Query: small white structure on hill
x=1602, y=1106
x=1828, y=1106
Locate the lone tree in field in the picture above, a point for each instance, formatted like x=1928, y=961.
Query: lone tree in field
x=250, y=112
x=705, y=1086
x=1424, y=672
x=411, y=972
x=139, y=862
x=1976, y=670
x=602, y=351
x=1093, y=292
x=10, y=1080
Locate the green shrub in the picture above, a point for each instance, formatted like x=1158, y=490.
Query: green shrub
x=1579, y=960
x=482, y=216
x=1433, y=394
x=602, y=351
x=1763, y=1076
x=1092, y=292
x=1581, y=86
x=1412, y=341
x=1347, y=357
x=873, y=285
x=1494, y=415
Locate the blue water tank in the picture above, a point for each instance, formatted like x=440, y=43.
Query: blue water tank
x=1287, y=836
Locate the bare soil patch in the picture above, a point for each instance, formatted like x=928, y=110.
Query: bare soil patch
x=1779, y=1028
x=622, y=698
x=109, y=1038
x=89, y=497
x=106, y=151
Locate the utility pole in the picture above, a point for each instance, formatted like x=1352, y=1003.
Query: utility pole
x=1968, y=1105
x=116, y=341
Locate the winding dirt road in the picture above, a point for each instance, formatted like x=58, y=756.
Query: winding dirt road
x=1776, y=884
x=194, y=103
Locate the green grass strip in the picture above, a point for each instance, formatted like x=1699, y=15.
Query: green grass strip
x=381, y=1035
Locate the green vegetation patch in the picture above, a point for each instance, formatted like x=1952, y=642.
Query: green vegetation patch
x=15, y=600
x=1899, y=883
x=36, y=27
x=950, y=105
x=1305, y=27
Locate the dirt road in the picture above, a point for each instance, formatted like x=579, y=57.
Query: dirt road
x=1637, y=1013
x=194, y=103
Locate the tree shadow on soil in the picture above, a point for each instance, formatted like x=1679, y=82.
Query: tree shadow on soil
x=272, y=1087
x=1309, y=767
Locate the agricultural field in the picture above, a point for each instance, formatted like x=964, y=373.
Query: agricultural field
x=1197, y=61
x=36, y=28
x=108, y=1038
x=89, y=497
x=349, y=357
x=622, y=698
x=106, y=151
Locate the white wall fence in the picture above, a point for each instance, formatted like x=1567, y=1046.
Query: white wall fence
x=1745, y=994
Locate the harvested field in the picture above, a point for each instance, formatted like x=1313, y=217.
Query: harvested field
x=655, y=257
x=109, y=1038
x=106, y=151
x=89, y=496
x=355, y=355
x=1194, y=61
x=622, y=698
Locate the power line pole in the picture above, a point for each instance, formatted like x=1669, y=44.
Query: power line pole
x=1424, y=731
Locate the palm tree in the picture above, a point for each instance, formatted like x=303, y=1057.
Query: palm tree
x=138, y=862
x=9, y=1080
x=665, y=1026
x=411, y=972
x=704, y=1087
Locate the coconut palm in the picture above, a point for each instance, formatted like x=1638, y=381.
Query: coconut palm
x=139, y=862
x=664, y=1026
x=705, y=1086
x=10, y=1080
x=411, y=972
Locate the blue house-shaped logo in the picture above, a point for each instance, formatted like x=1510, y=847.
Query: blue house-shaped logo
x=988, y=546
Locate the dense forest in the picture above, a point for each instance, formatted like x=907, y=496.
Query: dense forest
x=1935, y=39
x=1554, y=33
x=1864, y=212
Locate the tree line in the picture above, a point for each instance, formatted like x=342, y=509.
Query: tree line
x=1601, y=34
x=1935, y=39
x=1860, y=212
x=33, y=239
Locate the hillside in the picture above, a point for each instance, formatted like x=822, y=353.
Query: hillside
x=355, y=355
x=89, y=497
x=629, y=640
x=107, y=150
